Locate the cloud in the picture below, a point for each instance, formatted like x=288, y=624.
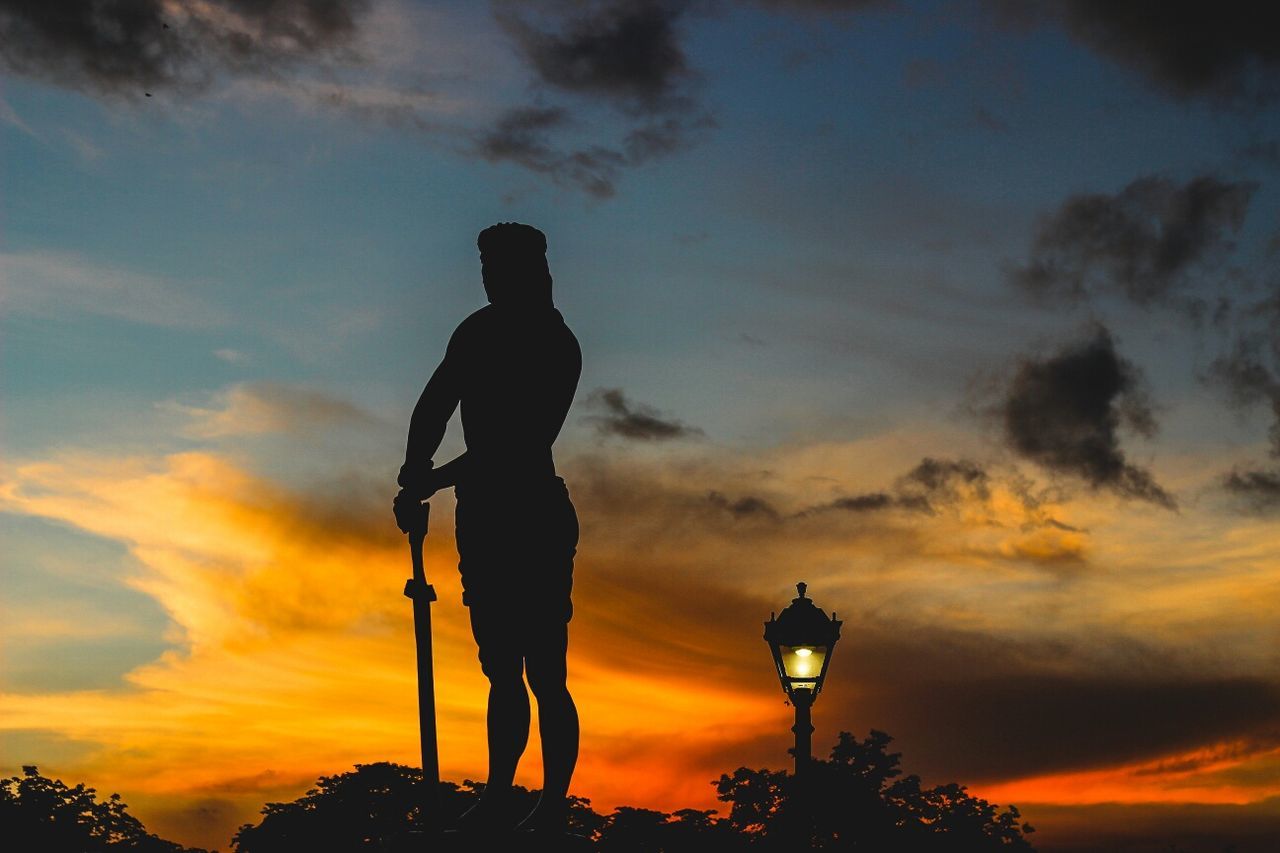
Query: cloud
x=287, y=619
x=625, y=54
x=1064, y=412
x=1260, y=489
x=1230, y=53
x=1243, y=375
x=1144, y=243
x=926, y=488
x=522, y=136
x=625, y=51
x=626, y=419
x=354, y=57
x=943, y=479
x=53, y=283
x=956, y=695
x=1266, y=152
x=255, y=408
x=997, y=521
x=10, y=116
x=748, y=506
x=398, y=106
x=116, y=47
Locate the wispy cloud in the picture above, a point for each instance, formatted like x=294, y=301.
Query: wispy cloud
x=254, y=408
x=627, y=419
x=10, y=116
x=58, y=283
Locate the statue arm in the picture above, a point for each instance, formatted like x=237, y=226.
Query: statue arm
x=560, y=411
x=427, y=425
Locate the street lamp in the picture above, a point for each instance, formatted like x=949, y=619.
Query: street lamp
x=802, y=638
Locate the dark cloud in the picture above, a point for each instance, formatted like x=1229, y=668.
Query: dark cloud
x=926, y=488
x=748, y=506
x=624, y=53
x=1144, y=242
x=522, y=136
x=1064, y=413
x=1064, y=723
x=1260, y=489
x=977, y=707
x=627, y=51
x=867, y=502
x=1245, y=378
x=1228, y=51
x=116, y=46
x=660, y=137
x=624, y=418
x=940, y=479
x=1266, y=152
x=525, y=136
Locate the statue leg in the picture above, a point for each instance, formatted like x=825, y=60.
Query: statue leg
x=507, y=718
x=557, y=726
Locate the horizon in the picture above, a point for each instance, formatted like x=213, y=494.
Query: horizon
x=965, y=315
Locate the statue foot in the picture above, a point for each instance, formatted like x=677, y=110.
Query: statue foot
x=546, y=819
x=489, y=816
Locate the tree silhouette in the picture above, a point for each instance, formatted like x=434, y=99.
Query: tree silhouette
x=377, y=807
x=44, y=814
x=858, y=800
x=855, y=801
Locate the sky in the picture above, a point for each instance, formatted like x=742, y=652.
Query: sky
x=966, y=314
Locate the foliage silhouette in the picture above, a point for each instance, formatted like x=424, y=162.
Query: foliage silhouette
x=44, y=814
x=376, y=807
x=857, y=800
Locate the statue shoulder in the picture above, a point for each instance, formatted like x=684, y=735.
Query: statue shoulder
x=476, y=325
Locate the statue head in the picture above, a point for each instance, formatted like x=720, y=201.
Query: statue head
x=513, y=265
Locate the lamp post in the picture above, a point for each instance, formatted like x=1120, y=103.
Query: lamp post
x=802, y=638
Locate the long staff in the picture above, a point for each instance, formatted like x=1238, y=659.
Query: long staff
x=422, y=594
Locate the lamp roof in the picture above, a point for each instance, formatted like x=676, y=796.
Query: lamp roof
x=802, y=623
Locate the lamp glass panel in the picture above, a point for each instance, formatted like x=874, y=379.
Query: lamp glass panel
x=803, y=664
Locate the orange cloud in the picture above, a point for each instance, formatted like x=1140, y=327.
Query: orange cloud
x=1201, y=775
x=291, y=649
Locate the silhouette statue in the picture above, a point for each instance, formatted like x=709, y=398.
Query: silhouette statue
x=512, y=367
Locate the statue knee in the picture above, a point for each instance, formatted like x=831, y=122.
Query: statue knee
x=547, y=685
x=506, y=675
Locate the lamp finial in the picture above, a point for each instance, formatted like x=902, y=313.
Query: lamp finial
x=801, y=587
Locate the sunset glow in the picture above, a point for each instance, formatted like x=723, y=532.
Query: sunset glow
x=964, y=316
